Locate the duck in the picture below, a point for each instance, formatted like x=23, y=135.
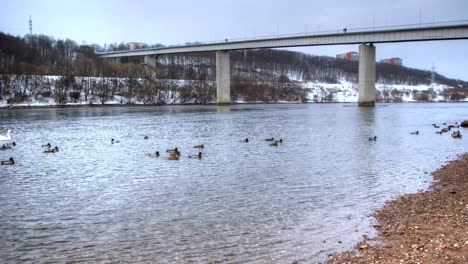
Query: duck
x=198, y=156
x=156, y=154
x=175, y=154
x=8, y=146
x=5, y=147
x=146, y=137
x=10, y=161
x=280, y=141
x=113, y=141
x=444, y=130
x=456, y=134
x=175, y=150
x=47, y=145
x=7, y=137
x=199, y=146
x=274, y=144
x=51, y=150
x=246, y=140
x=269, y=139
x=415, y=132
x=436, y=126
x=171, y=157
x=373, y=138
x=439, y=132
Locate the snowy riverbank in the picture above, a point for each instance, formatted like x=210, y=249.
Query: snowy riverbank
x=41, y=91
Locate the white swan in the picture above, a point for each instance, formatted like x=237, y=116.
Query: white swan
x=7, y=137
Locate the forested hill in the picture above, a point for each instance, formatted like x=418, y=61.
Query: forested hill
x=44, y=55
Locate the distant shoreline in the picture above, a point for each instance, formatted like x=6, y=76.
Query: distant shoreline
x=425, y=227
x=15, y=107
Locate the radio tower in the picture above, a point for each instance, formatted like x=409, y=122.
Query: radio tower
x=30, y=25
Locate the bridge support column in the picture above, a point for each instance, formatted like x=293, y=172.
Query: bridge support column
x=366, y=75
x=150, y=60
x=151, y=63
x=223, y=78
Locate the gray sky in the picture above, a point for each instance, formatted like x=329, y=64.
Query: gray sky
x=180, y=21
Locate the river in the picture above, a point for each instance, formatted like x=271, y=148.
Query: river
x=241, y=203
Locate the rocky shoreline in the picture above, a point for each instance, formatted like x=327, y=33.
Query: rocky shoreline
x=426, y=227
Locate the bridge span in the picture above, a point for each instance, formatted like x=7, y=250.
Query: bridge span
x=365, y=39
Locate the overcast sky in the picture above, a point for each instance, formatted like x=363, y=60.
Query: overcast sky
x=179, y=21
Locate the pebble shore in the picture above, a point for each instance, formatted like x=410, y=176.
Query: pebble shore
x=426, y=227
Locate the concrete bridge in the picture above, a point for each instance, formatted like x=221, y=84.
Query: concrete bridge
x=365, y=38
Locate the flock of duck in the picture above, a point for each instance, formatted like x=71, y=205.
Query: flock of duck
x=11, y=161
x=174, y=154
x=455, y=134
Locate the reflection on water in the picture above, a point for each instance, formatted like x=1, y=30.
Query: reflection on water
x=243, y=202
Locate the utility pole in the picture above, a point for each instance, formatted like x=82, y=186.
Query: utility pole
x=30, y=25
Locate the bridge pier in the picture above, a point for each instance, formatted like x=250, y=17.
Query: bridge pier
x=366, y=75
x=223, y=78
x=150, y=60
x=151, y=63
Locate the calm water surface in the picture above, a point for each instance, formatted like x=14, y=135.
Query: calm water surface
x=242, y=203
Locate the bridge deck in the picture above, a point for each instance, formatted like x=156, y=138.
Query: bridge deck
x=446, y=32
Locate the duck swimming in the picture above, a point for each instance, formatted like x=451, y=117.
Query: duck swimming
x=156, y=154
x=11, y=161
x=274, y=144
x=8, y=146
x=173, y=154
x=175, y=157
x=373, y=138
x=415, y=132
x=146, y=137
x=113, y=141
x=246, y=140
x=199, y=156
x=456, y=134
x=175, y=150
x=269, y=139
x=51, y=150
x=47, y=145
x=199, y=146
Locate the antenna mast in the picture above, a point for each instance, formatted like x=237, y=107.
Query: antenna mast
x=30, y=25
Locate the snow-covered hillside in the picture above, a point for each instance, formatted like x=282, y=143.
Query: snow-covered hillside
x=49, y=90
x=345, y=91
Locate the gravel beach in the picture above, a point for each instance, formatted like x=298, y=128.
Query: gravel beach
x=426, y=227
